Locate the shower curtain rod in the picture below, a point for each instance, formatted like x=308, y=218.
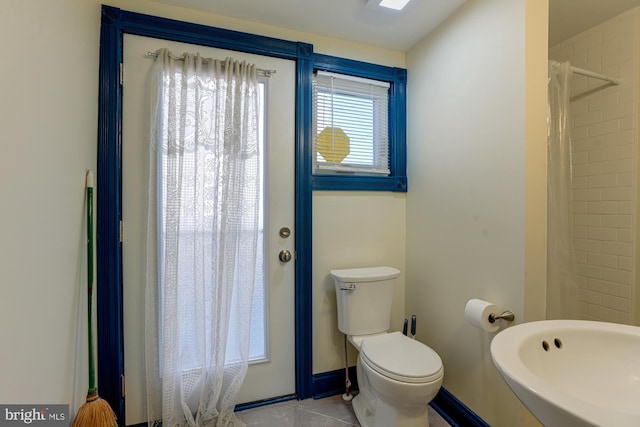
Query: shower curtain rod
x=588, y=73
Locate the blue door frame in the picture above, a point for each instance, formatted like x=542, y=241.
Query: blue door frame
x=115, y=23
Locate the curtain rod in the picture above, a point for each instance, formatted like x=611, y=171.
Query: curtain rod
x=588, y=73
x=265, y=73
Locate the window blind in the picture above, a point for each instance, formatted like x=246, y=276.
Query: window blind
x=351, y=124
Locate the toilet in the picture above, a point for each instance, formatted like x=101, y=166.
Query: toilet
x=397, y=375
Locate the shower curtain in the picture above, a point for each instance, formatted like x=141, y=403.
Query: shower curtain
x=562, y=277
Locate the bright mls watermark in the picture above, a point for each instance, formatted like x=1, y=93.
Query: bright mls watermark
x=34, y=415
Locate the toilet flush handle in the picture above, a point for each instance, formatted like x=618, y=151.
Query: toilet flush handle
x=348, y=287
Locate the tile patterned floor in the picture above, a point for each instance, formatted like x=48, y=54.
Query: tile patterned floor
x=328, y=412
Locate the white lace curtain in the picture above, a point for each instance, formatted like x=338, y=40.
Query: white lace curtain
x=202, y=237
x=562, y=284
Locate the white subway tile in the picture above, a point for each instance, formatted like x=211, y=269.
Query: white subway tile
x=581, y=258
x=626, y=151
x=616, y=248
x=601, y=181
x=621, y=138
x=602, y=207
x=590, y=296
x=579, y=182
x=604, y=154
x=603, y=100
x=617, y=166
x=580, y=158
x=587, y=270
x=615, y=275
x=587, y=245
x=625, y=207
x=625, y=109
x=625, y=179
x=602, y=260
x=580, y=133
x=617, y=221
x=602, y=286
x=600, y=233
x=617, y=303
x=579, y=207
x=588, y=220
x=617, y=193
x=580, y=232
x=625, y=263
x=627, y=123
x=604, y=128
x=587, y=194
x=598, y=312
x=625, y=235
x=624, y=291
x=588, y=169
x=588, y=118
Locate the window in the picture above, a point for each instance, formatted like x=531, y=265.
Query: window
x=350, y=126
x=358, y=129
x=196, y=234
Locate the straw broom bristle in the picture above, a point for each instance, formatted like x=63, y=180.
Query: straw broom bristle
x=95, y=412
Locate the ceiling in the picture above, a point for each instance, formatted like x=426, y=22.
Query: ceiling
x=357, y=21
x=343, y=19
x=570, y=17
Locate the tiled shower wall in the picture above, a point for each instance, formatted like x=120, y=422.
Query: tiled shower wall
x=604, y=127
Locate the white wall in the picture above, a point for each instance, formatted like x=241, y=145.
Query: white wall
x=48, y=133
x=49, y=124
x=604, y=129
x=468, y=107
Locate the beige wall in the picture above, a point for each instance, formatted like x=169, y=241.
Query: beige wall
x=352, y=229
x=472, y=186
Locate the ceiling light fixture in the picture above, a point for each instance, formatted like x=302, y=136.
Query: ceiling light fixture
x=394, y=4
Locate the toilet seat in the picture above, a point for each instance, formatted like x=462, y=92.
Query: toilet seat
x=401, y=358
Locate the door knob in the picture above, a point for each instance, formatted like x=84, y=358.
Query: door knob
x=284, y=256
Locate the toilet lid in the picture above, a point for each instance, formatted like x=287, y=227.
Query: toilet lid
x=401, y=358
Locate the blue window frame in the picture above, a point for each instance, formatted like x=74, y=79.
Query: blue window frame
x=397, y=79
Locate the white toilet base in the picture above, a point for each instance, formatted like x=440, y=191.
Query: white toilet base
x=385, y=416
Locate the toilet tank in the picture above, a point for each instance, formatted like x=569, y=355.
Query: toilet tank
x=364, y=297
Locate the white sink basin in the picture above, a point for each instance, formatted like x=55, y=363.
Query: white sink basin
x=573, y=372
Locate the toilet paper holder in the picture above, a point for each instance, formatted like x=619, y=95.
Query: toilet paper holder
x=505, y=315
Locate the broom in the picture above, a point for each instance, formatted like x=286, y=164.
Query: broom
x=95, y=411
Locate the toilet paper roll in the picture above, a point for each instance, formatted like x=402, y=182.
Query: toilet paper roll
x=477, y=313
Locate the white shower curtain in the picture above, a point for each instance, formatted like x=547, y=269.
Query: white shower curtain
x=202, y=237
x=562, y=281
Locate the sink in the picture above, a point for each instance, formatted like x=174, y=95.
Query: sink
x=573, y=372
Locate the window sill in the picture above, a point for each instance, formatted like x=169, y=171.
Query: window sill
x=359, y=183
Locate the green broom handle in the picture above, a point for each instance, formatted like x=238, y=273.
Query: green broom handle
x=92, y=369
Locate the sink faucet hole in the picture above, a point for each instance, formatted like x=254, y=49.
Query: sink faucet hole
x=557, y=342
x=545, y=345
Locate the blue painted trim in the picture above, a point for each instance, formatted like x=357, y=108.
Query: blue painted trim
x=115, y=23
x=397, y=77
x=331, y=383
x=337, y=182
x=454, y=411
x=108, y=248
x=304, y=225
x=265, y=402
x=187, y=32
